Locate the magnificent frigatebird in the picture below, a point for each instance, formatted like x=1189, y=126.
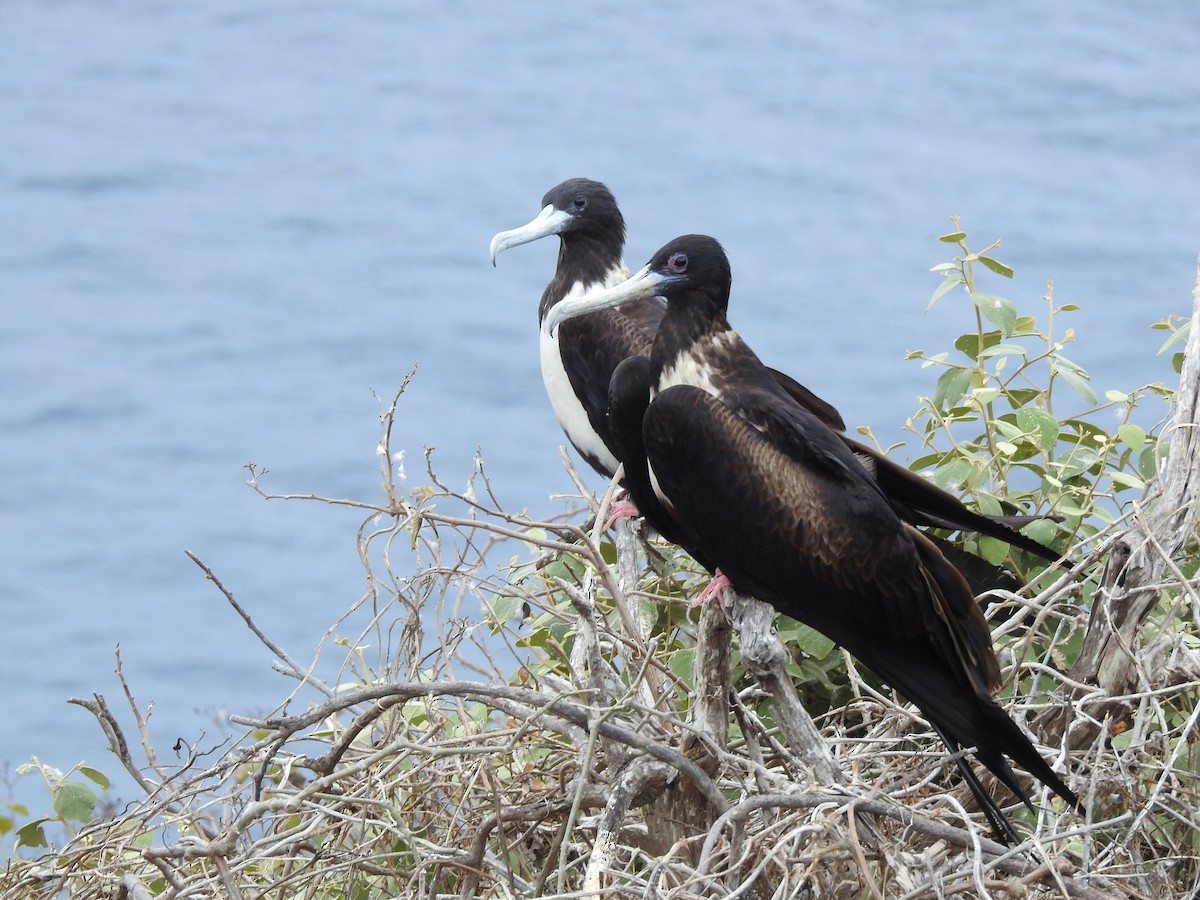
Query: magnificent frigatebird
x=580, y=359
x=765, y=490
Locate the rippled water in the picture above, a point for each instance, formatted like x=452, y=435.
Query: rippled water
x=223, y=224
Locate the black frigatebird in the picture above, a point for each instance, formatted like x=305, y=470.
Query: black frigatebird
x=765, y=490
x=580, y=359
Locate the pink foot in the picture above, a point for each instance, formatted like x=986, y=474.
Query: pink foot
x=621, y=509
x=714, y=590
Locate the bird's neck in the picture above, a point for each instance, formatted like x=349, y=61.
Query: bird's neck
x=583, y=259
x=686, y=332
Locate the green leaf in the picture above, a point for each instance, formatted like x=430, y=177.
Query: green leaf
x=949, y=282
x=1070, y=509
x=565, y=567
x=988, y=504
x=1022, y=396
x=1077, y=462
x=1176, y=336
x=969, y=343
x=952, y=385
x=506, y=608
x=993, y=550
x=998, y=267
x=1004, y=350
x=1041, y=530
x=32, y=834
x=1133, y=436
x=1147, y=464
x=954, y=474
x=681, y=663
x=933, y=459
x=1008, y=429
x=953, y=238
x=811, y=641
x=1000, y=312
x=1077, y=379
x=1124, y=479
x=1113, y=396
x=74, y=801
x=95, y=776
x=1026, y=325
x=1040, y=424
x=1068, y=364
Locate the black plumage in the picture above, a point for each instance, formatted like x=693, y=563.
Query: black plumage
x=755, y=483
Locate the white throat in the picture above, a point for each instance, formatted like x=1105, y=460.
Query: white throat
x=567, y=408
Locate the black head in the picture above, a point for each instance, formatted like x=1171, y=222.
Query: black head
x=691, y=273
x=695, y=272
x=592, y=208
x=584, y=215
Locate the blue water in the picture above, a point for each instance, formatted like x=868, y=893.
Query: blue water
x=222, y=224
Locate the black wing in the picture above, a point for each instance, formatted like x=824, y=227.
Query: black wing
x=592, y=347
x=788, y=404
x=628, y=398
x=789, y=528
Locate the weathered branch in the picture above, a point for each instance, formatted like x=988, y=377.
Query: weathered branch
x=765, y=658
x=386, y=696
x=1137, y=560
x=993, y=855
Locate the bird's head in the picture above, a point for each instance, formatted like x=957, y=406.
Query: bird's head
x=690, y=272
x=578, y=209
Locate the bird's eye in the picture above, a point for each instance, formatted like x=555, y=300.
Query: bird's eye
x=678, y=262
x=580, y=202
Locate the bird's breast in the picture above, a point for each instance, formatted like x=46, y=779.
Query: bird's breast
x=567, y=406
x=692, y=369
x=701, y=364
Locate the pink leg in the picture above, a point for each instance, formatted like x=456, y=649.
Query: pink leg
x=714, y=590
x=621, y=509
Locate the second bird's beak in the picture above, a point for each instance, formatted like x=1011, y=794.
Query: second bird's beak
x=639, y=286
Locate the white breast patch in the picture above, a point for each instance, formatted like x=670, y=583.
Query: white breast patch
x=567, y=409
x=689, y=368
x=570, y=412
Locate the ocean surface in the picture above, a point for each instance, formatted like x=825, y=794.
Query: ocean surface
x=223, y=224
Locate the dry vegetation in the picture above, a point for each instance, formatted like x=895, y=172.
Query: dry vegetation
x=640, y=750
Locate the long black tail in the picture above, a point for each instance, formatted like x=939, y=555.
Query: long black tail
x=966, y=719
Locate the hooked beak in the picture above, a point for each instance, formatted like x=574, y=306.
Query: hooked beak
x=640, y=285
x=548, y=221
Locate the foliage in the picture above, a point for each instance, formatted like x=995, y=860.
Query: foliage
x=575, y=759
x=73, y=802
x=991, y=427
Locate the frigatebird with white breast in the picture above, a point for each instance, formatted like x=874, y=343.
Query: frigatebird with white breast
x=769, y=493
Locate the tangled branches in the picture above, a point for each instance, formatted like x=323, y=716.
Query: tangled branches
x=610, y=743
